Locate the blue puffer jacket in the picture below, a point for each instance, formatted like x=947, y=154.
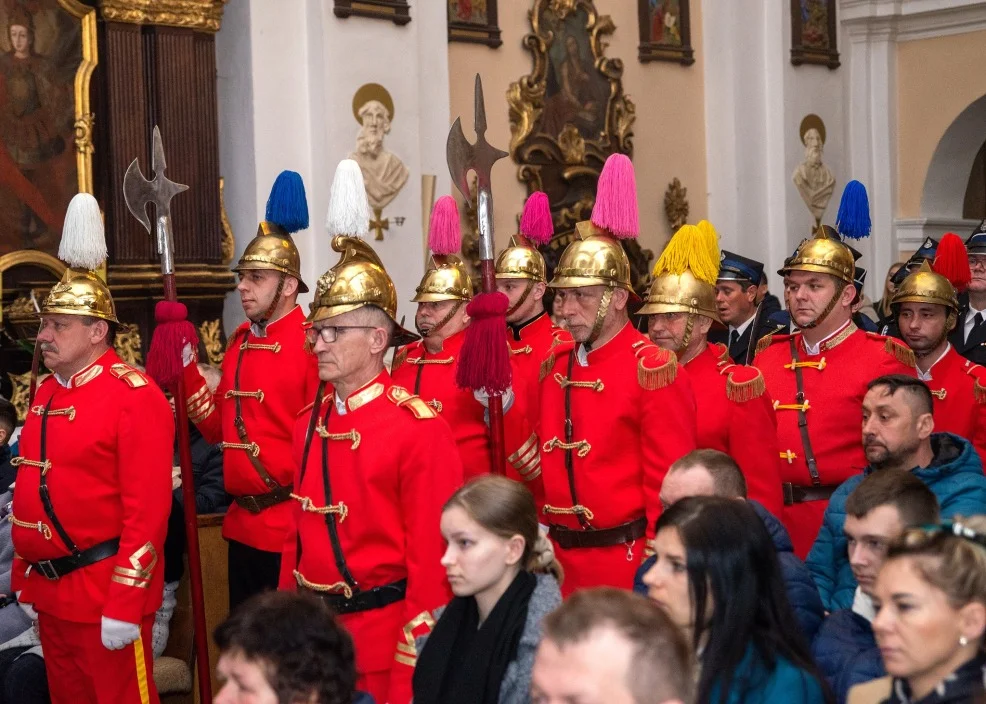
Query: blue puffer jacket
x=785, y=684
x=846, y=652
x=956, y=478
x=801, y=590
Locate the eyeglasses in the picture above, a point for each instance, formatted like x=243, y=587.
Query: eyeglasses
x=330, y=333
x=977, y=262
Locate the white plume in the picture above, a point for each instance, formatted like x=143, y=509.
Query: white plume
x=83, y=244
x=349, y=210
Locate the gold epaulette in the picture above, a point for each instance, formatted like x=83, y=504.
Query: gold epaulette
x=744, y=390
x=666, y=371
x=546, y=366
x=231, y=340
x=399, y=357
x=720, y=351
x=763, y=343
x=976, y=371
x=899, y=350
x=134, y=378
x=405, y=399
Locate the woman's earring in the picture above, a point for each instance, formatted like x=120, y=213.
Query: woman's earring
x=963, y=641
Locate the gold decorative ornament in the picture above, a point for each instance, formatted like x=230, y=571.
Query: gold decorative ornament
x=572, y=145
x=228, y=244
x=357, y=280
x=520, y=261
x=202, y=15
x=925, y=286
x=676, y=204
x=446, y=279
x=83, y=134
x=272, y=249
x=823, y=254
x=210, y=332
x=127, y=345
x=20, y=393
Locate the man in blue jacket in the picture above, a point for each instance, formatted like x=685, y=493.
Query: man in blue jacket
x=897, y=434
x=714, y=473
x=878, y=511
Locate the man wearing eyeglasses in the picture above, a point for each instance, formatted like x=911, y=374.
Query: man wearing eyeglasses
x=268, y=375
x=375, y=466
x=969, y=336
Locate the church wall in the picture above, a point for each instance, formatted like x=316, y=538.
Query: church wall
x=669, y=133
x=938, y=78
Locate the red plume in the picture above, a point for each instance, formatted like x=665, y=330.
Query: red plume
x=952, y=262
x=173, y=331
x=484, y=361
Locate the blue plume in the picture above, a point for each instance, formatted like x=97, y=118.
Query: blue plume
x=287, y=206
x=853, y=220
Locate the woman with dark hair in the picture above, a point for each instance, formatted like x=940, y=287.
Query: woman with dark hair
x=718, y=578
x=505, y=580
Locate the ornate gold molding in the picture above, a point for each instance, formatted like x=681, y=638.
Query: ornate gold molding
x=202, y=279
x=210, y=331
x=676, y=204
x=83, y=116
x=228, y=241
x=201, y=15
x=20, y=394
x=127, y=345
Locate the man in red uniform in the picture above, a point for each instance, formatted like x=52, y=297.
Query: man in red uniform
x=817, y=378
x=375, y=466
x=427, y=366
x=734, y=414
x=268, y=375
x=614, y=411
x=93, y=494
x=927, y=306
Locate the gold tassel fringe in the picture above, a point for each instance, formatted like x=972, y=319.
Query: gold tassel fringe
x=658, y=377
x=743, y=391
x=902, y=353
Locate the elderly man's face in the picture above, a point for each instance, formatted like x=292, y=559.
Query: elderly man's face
x=374, y=118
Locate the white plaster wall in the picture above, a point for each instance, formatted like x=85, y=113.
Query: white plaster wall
x=287, y=74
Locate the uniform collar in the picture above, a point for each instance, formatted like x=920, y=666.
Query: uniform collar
x=84, y=376
x=833, y=340
x=259, y=331
x=710, y=354
x=370, y=391
x=450, y=346
x=927, y=376
x=527, y=328
x=614, y=345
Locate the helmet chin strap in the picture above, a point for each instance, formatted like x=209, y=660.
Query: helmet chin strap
x=950, y=321
x=689, y=327
x=601, y=311
x=828, y=309
x=274, y=301
x=523, y=298
x=441, y=323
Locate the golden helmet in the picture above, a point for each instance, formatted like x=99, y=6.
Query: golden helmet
x=358, y=279
x=593, y=259
x=823, y=254
x=272, y=248
x=521, y=261
x=925, y=286
x=80, y=292
x=445, y=280
x=680, y=293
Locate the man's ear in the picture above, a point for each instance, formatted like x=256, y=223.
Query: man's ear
x=620, y=299
x=538, y=290
x=925, y=425
x=848, y=294
x=290, y=286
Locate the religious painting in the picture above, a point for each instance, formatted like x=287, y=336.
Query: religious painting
x=473, y=21
x=814, y=33
x=665, y=32
x=47, y=53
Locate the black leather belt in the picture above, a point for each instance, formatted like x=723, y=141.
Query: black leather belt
x=794, y=494
x=60, y=566
x=365, y=600
x=567, y=538
x=255, y=503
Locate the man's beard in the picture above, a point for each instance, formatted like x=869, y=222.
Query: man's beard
x=368, y=143
x=813, y=156
x=890, y=459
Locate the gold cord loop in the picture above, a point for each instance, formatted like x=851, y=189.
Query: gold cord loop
x=353, y=436
x=565, y=382
x=40, y=410
x=45, y=466
x=251, y=447
x=819, y=365
x=778, y=406
x=582, y=446
x=789, y=456
x=275, y=348
x=335, y=588
x=577, y=510
x=39, y=526
x=259, y=394
x=340, y=509
x=939, y=393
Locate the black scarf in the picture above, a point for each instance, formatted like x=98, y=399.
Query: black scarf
x=964, y=686
x=463, y=662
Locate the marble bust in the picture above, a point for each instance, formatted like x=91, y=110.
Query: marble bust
x=383, y=172
x=813, y=179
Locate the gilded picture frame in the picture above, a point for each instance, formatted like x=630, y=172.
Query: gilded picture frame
x=665, y=31
x=814, y=33
x=48, y=53
x=473, y=22
x=397, y=11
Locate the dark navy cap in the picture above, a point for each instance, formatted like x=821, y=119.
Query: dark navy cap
x=859, y=278
x=976, y=244
x=926, y=250
x=733, y=267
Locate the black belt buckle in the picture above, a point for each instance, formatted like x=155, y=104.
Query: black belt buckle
x=788, y=489
x=249, y=503
x=47, y=569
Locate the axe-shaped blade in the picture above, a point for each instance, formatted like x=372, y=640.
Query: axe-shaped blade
x=464, y=157
x=138, y=192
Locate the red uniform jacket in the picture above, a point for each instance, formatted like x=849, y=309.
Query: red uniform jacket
x=278, y=376
x=432, y=377
x=735, y=416
x=835, y=383
x=632, y=416
x=109, y=441
x=958, y=390
x=529, y=347
x=392, y=466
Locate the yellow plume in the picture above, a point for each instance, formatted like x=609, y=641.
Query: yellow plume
x=693, y=248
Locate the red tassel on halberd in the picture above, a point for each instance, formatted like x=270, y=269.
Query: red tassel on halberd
x=484, y=361
x=172, y=333
x=952, y=262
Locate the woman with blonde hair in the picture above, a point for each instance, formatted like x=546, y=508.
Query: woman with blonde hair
x=930, y=602
x=502, y=571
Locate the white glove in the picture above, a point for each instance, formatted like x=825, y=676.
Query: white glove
x=175, y=478
x=188, y=355
x=27, y=608
x=484, y=398
x=118, y=634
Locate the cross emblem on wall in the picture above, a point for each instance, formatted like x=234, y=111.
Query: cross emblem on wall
x=379, y=223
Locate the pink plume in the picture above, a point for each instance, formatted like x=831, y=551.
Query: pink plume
x=616, y=199
x=444, y=235
x=535, y=222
